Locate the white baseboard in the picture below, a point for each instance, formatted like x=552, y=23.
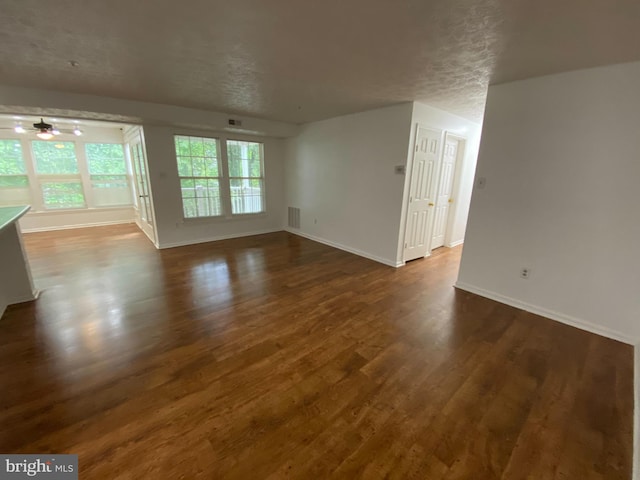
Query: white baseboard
x=558, y=317
x=79, y=225
x=455, y=244
x=339, y=246
x=184, y=243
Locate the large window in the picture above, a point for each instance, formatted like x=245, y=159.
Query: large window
x=108, y=174
x=199, y=171
x=58, y=174
x=210, y=186
x=246, y=177
x=14, y=181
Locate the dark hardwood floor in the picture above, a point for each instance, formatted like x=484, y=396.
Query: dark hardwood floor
x=277, y=357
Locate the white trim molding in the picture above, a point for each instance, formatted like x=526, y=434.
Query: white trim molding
x=345, y=248
x=556, y=316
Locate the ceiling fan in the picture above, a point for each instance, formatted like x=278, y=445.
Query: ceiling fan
x=44, y=130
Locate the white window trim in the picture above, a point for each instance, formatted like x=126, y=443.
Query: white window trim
x=220, y=178
x=225, y=180
x=262, y=177
x=37, y=200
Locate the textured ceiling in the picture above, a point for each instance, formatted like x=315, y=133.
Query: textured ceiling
x=304, y=60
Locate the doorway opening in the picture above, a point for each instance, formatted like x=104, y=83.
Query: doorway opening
x=433, y=187
x=143, y=206
x=74, y=172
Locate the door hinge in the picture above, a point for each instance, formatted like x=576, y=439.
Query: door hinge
x=405, y=245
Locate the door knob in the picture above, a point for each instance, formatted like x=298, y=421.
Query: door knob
x=451, y=200
x=430, y=204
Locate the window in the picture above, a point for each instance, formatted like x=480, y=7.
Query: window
x=14, y=182
x=58, y=175
x=199, y=171
x=246, y=177
x=65, y=173
x=108, y=174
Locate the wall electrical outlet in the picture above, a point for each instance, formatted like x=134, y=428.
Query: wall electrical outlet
x=525, y=273
x=399, y=169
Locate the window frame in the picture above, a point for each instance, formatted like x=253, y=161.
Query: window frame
x=60, y=178
x=261, y=178
x=220, y=178
x=35, y=193
x=225, y=184
x=29, y=187
x=126, y=176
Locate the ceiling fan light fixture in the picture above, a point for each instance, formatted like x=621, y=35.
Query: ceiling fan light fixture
x=55, y=131
x=19, y=128
x=44, y=130
x=44, y=135
x=76, y=131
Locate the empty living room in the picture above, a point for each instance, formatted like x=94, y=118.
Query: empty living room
x=317, y=240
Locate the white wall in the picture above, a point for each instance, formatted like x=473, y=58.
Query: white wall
x=340, y=173
x=561, y=158
x=172, y=228
x=427, y=116
x=16, y=285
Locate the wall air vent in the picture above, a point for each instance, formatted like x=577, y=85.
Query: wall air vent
x=235, y=123
x=294, y=217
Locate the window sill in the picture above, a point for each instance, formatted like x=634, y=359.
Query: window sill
x=224, y=218
x=61, y=211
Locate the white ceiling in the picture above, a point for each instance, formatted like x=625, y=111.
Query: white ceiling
x=304, y=60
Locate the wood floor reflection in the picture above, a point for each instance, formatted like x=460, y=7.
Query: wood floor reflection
x=277, y=357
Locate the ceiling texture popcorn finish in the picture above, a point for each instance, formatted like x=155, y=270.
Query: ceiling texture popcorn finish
x=300, y=61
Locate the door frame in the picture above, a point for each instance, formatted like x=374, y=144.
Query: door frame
x=455, y=188
x=408, y=183
x=133, y=135
x=444, y=134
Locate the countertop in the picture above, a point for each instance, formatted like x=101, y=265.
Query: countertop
x=9, y=215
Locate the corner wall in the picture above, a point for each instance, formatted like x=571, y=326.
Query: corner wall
x=340, y=173
x=560, y=155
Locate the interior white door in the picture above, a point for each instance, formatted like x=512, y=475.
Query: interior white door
x=444, y=198
x=144, y=212
x=422, y=194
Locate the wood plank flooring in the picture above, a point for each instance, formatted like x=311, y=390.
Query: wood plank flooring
x=274, y=357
